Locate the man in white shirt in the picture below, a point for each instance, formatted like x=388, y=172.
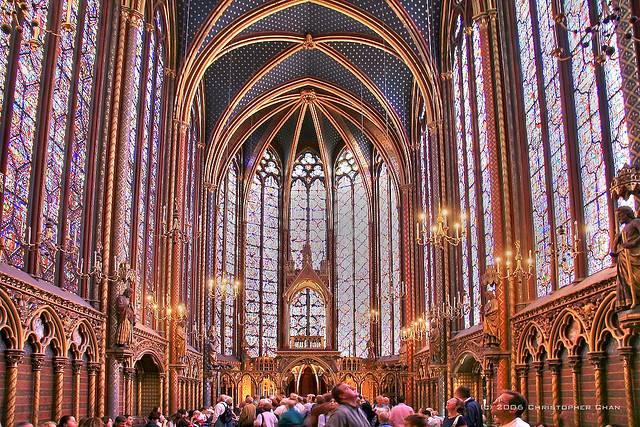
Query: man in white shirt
x=219, y=409
x=508, y=408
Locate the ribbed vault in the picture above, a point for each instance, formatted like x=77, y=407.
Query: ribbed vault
x=262, y=61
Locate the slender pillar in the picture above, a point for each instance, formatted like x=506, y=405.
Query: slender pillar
x=161, y=401
x=92, y=371
x=598, y=360
x=129, y=375
x=76, y=367
x=539, y=367
x=554, y=366
x=59, y=364
x=12, y=360
x=522, y=372
x=626, y=353
x=575, y=361
x=37, y=360
x=139, y=393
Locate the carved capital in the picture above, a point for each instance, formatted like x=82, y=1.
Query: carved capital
x=555, y=365
x=575, y=362
x=169, y=72
x=37, y=360
x=447, y=75
x=76, y=366
x=597, y=358
x=538, y=366
x=129, y=373
x=93, y=368
x=13, y=358
x=626, y=354
x=59, y=364
x=522, y=370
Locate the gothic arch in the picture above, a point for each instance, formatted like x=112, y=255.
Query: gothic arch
x=45, y=328
x=10, y=322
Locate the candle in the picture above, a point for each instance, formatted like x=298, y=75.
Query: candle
x=68, y=20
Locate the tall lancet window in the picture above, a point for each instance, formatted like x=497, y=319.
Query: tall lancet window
x=263, y=248
x=389, y=255
x=226, y=256
x=588, y=117
x=308, y=209
x=352, y=257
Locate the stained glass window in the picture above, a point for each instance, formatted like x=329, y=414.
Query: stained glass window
x=262, y=245
x=427, y=203
x=308, y=211
x=308, y=315
x=13, y=228
x=389, y=256
x=547, y=127
x=473, y=160
x=226, y=259
x=352, y=257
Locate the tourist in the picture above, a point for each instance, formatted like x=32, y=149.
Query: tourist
x=282, y=408
x=400, y=412
x=383, y=418
x=348, y=414
x=368, y=410
x=92, y=422
x=292, y=416
x=266, y=418
x=107, y=421
x=454, y=417
x=415, y=420
x=322, y=411
x=472, y=412
x=24, y=424
x=433, y=420
x=53, y=423
x=68, y=421
x=120, y=421
x=310, y=402
x=508, y=408
x=248, y=413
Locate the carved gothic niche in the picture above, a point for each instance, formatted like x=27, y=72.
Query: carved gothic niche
x=45, y=329
x=83, y=341
x=307, y=307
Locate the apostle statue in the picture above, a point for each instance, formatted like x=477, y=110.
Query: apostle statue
x=625, y=251
x=125, y=319
x=371, y=349
x=491, y=322
x=181, y=340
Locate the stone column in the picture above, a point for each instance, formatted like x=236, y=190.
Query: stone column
x=161, y=401
x=554, y=366
x=76, y=367
x=626, y=353
x=12, y=360
x=539, y=367
x=117, y=170
x=59, y=363
x=92, y=370
x=37, y=359
x=575, y=361
x=129, y=375
x=522, y=372
x=598, y=360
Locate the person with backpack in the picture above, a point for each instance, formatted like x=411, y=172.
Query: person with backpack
x=292, y=417
x=454, y=416
x=223, y=413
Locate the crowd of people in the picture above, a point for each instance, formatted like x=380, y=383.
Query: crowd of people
x=342, y=407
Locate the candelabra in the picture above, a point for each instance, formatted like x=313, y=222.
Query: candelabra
x=226, y=286
x=438, y=234
x=374, y=316
x=566, y=248
x=514, y=267
x=14, y=12
x=601, y=33
x=166, y=312
x=175, y=231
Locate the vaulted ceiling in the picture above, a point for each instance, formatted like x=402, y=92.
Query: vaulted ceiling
x=274, y=72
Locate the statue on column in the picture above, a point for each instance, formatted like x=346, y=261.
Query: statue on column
x=625, y=251
x=181, y=340
x=490, y=309
x=125, y=317
x=371, y=349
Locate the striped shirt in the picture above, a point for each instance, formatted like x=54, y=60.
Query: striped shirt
x=348, y=416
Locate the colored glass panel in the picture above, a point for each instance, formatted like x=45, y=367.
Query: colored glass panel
x=13, y=228
x=261, y=274
x=308, y=315
x=352, y=258
x=592, y=169
x=308, y=209
x=535, y=145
